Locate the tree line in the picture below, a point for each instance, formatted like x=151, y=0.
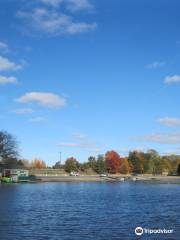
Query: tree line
x=137, y=162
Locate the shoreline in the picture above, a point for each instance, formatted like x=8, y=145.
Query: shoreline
x=154, y=179
x=108, y=179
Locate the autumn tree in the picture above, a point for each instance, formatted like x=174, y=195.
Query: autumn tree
x=71, y=164
x=113, y=162
x=38, y=164
x=125, y=166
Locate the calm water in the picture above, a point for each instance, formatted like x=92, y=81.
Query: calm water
x=85, y=211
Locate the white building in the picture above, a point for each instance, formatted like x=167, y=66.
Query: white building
x=15, y=173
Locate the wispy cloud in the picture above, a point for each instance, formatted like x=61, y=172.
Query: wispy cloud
x=79, y=145
x=4, y=47
x=169, y=122
x=46, y=99
x=52, y=18
x=79, y=5
x=71, y=5
x=172, y=79
x=23, y=111
x=81, y=141
x=7, y=65
x=70, y=145
x=37, y=119
x=8, y=80
x=155, y=65
x=54, y=3
x=53, y=22
x=162, y=138
x=79, y=136
x=175, y=151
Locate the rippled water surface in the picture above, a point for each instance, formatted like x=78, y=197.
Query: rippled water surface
x=85, y=211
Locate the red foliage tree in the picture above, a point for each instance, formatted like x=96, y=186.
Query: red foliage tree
x=113, y=162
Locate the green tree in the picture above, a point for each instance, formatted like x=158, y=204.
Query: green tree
x=92, y=162
x=153, y=162
x=84, y=166
x=178, y=170
x=57, y=165
x=137, y=161
x=71, y=164
x=101, y=164
x=174, y=160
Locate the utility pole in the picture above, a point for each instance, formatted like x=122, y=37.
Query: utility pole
x=60, y=157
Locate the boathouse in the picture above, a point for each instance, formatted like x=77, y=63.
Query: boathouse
x=15, y=173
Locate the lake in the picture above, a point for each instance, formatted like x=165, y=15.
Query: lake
x=88, y=211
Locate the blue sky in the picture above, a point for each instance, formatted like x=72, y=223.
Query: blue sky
x=83, y=77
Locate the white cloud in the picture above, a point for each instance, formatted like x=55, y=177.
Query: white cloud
x=175, y=151
x=37, y=119
x=79, y=136
x=170, y=122
x=23, y=111
x=80, y=27
x=155, y=65
x=54, y=22
x=79, y=5
x=70, y=145
x=54, y=3
x=71, y=5
x=44, y=99
x=82, y=142
x=172, y=79
x=7, y=65
x=79, y=145
x=8, y=80
x=4, y=47
x=163, y=138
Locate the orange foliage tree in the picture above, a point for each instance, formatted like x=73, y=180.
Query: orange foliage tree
x=113, y=162
x=38, y=164
x=125, y=166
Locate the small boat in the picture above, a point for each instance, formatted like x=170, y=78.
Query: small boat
x=122, y=179
x=6, y=180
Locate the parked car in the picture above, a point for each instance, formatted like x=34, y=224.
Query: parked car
x=103, y=175
x=74, y=174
